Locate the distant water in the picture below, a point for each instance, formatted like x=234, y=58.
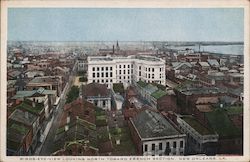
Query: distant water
x=221, y=49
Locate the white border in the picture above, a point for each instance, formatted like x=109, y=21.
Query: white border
x=124, y=4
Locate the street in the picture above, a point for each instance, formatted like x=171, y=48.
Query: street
x=47, y=145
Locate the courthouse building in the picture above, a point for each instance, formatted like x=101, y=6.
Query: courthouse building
x=126, y=70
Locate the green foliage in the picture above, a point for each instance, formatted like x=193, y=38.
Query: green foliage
x=118, y=88
x=83, y=79
x=73, y=94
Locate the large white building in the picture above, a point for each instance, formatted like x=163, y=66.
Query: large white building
x=126, y=70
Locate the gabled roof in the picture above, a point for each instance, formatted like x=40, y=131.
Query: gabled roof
x=19, y=116
x=204, y=64
x=213, y=62
x=95, y=89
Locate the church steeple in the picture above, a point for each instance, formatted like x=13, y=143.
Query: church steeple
x=117, y=46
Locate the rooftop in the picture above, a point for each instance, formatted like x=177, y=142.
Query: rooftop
x=195, y=124
x=95, y=89
x=156, y=125
x=23, y=94
x=19, y=116
x=27, y=106
x=158, y=94
x=220, y=122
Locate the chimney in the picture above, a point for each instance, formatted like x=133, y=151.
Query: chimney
x=26, y=115
x=68, y=117
x=33, y=104
x=66, y=128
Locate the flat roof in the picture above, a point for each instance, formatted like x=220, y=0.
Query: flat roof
x=150, y=124
x=195, y=124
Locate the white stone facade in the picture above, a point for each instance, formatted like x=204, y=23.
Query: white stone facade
x=109, y=70
x=164, y=147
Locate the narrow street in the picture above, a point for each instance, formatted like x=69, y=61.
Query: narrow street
x=47, y=148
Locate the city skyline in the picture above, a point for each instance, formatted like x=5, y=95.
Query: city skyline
x=109, y=24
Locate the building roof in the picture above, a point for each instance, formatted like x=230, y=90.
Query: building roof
x=95, y=89
x=204, y=108
x=42, y=91
x=78, y=109
x=204, y=64
x=196, y=125
x=142, y=84
x=156, y=126
x=220, y=122
x=77, y=130
x=158, y=94
x=15, y=135
x=26, y=105
x=150, y=88
x=207, y=100
x=19, y=116
x=213, y=62
x=182, y=64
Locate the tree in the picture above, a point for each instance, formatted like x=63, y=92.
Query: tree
x=73, y=94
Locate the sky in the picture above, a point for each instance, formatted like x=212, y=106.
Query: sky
x=123, y=24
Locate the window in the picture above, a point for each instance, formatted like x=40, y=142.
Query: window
x=128, y=71
x=153, y=146
x=97, y=68
x=145, y=147
x=181, y=144
x=104, y=103
x=107, y=80
x=146, y=69
x=107, y=74
x=148, y=75
x=160, y=146
x=174, y=144
x=128, y=77
x=102, y=74
x=120, y=72
x=107, y=68
x=110, y=68
x=98, y=81
x=102, y=68
x=124, y=77
x=167, y=145
x=98, y=75
x=128, y=66
x=149, y=69
x=93, y=81
x=153, y=69
x=132, y=71
x=93, y=75
x=124, y=71
x=102, y=81
x=120, y=66
x=93, y=69
x=111, y=74
x=153, y=76
x=139, y=73
x=160, y=69
x=120, y=77
x=139, y=67
x=111, y=80
x=124, y=66
x=132, y=66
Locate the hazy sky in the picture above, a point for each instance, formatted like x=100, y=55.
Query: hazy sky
x=67, y=24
